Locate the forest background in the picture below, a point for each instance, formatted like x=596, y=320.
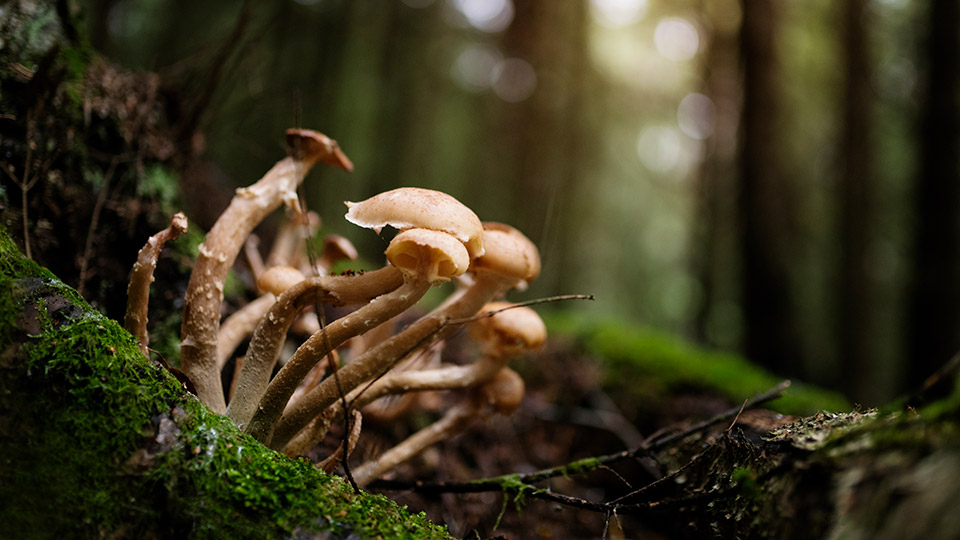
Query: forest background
x=774, y=177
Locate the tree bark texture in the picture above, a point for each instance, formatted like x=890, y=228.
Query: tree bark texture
x=767, y=200
x=934, y=321
x=857, y=186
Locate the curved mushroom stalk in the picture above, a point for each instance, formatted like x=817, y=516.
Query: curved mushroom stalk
x=270, y=333
x=141, y=276
x=502, y=394
x=509, y=259
x=506, y=333
x=250, y=205
x=424, y=256
x=288, y=244
x=239, y=325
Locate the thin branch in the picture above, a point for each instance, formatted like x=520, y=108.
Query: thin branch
x=497, y=483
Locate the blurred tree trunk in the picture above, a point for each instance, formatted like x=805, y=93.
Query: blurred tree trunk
x=935, y=304
x=544, y=136
x=766, y=199
x=714, y=238
x=856, y=291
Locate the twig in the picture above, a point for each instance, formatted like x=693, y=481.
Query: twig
x=534, y=302
x=497, y=483
x=94, y=224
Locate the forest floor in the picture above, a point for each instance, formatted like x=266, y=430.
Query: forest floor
x=566, y=416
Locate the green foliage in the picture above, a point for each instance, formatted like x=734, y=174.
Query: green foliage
x=646, y=364
x=156, y=182
x=98, y=441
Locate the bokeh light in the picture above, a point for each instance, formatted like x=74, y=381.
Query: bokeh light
x=618, y=13
x=676, y=39
x=486, y=15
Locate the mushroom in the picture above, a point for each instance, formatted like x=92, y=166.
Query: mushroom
x=271, y=330
x=288, y=244
x=509, y=259
x=277, y=279
x=503, y=335
x=250, y=205
x=425, y=257
x=336, y=248
x=141, y=276
x=238, y=326
x=502, y=394
x=408, y=208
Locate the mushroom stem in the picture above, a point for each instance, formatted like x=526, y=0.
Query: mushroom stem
x=141, y=276
x=502, y=394
x=268, y=337
x=382, y=357
x=445, y=378
x=278, y=392
x=250, y=205
x=453, y=421
x=235, y=328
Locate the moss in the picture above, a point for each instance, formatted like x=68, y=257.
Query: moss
x=654, y=364
x=97, y=441
x=582, y=466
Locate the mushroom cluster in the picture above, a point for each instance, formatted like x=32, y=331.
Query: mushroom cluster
x=287, y=400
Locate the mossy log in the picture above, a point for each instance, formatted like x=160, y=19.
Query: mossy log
x=850, y=475
x=98, y=441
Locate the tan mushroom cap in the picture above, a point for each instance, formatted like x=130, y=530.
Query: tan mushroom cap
x=306, y=144
x=508, y=253
x=337, y=248
x=433, y=255
x=278, y=279
x=504, y=392
x=409, y=208
x=511, y=330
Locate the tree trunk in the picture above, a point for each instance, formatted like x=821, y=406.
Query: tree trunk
x=855, y=296
x=934, y=318
x=767, y=200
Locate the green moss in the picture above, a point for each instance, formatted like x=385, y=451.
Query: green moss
x=582, y=466
x=647, y=364
x=97, y=441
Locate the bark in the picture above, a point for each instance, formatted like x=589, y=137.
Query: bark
x=767, y=200
x=934, y=322
x=856, y=288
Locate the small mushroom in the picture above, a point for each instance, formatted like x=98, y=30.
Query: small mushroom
x=250, y=205
x=502, y=394
x=425, y=257
x=272, y=328
x=509, y=332
x=336, y=248
x=408, y=208
x=509, y=259
x=141, y=276
x=277, y=279
x=288, y=245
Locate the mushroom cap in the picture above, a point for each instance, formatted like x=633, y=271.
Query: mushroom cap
x=306, y=144
x=337, y=248
x=510, y=331
x=409, y=208
x=508, y=253
x=432, y=255
x=504, y=392
x=277, y=279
